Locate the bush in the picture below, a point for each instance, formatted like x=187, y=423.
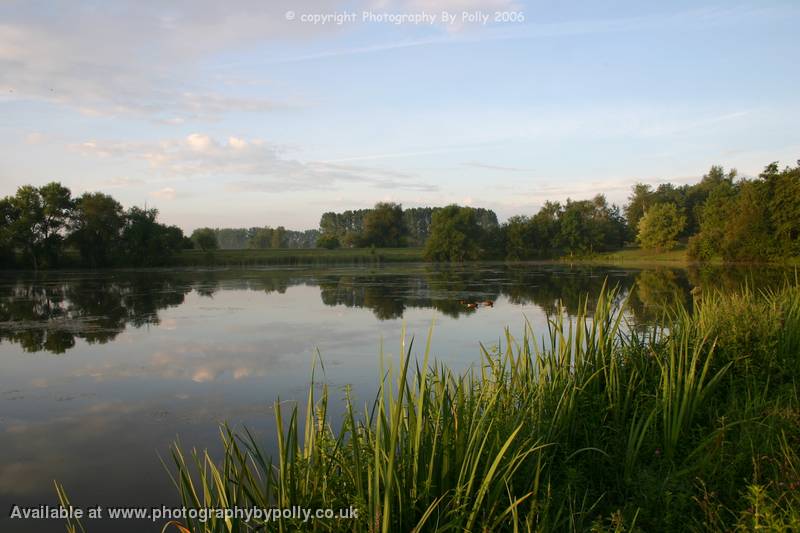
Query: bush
x=660, y=227
x=330, y=242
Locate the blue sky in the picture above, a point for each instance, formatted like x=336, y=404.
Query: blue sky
x=229, y=114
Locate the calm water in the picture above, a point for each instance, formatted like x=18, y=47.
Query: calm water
x=100, y=372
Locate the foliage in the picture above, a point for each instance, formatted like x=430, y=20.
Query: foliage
x=146, y=242
x=328, y=241
x=595, y=426
x=751, y=220
x=384, y=226
x=205, y=239
x=350, y=227
x=578, y=227
x=35, y=222
x=455, y=235
x=96, y=228
x=660, y=226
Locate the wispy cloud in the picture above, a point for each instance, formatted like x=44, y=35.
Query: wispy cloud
x=476, y=164
x=167, y=193
x=264, y=164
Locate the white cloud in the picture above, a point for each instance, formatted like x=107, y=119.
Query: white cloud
x=167, y=193
x=253, y=165
x=133, y=58
x=35, y=138
x=122, y=181
x=198, y=142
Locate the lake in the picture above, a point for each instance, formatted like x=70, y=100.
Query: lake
x=102, y=371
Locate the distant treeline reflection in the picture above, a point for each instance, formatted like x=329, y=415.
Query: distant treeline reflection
x=48, y=313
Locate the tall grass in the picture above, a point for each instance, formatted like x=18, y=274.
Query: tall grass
x=594, y=425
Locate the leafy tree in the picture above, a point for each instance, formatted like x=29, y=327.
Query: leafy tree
x=205, y=239
x=660, y=227
x=784, y=207
x=638, y=202
x=326, y=240
x=96, y=228
x=384, y=226
x=261, y=239
x=455, y=234
x=748, y=234
x=57, y=206
x=520, y=238
x=7, y=217
x=27, y=223
x=278, y=239
x=147, y=242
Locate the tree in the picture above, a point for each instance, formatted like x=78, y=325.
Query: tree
x=278, y=239
x=638, y=202
x=261, y=239
x=455, y=235
x=784, y=207
x=147, y=242
x=7, y=217
x=27, y=224
x=384, y=226
x=96, y=228
x=520, y=238
x=57, y=206
x=205, y=239
x=660, y=226
x=329, y=241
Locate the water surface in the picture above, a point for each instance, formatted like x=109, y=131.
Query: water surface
x=101, y=371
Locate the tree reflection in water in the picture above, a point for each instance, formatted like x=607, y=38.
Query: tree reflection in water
x=49, y=313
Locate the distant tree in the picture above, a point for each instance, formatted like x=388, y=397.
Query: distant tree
x=329, y=241
x=520, y=238
x=96, y=228
x=660, y=226
x=261, y=239
x=748, y=234
x=578, y=231
x=384, y=226
x=57, y=206
x=640, y=199
x=455, y=235
x=205, y=239
x=7, y=217
x=27, y=226
x=278, y=239
x=784, y=207
x=145, y=241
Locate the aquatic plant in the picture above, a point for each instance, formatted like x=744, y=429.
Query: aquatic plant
x=592, y=426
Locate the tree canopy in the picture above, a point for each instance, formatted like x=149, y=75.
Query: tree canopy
x=660, y=227
x=455, y=235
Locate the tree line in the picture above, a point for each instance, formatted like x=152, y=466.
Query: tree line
x=722, y=216
x=387, y=225
x=46, y=227
x=253, y=238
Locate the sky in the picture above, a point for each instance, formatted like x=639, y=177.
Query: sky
x=271, y=112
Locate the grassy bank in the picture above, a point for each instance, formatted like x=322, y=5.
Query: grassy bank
x=678, y=258
x=299, y=256
x=636, y=257
x=691, y=426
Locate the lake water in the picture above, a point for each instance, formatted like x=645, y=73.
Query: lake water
x=101, y=372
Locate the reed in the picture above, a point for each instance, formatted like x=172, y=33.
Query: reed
x=591, y=426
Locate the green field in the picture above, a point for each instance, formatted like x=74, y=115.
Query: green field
x=287, y=256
